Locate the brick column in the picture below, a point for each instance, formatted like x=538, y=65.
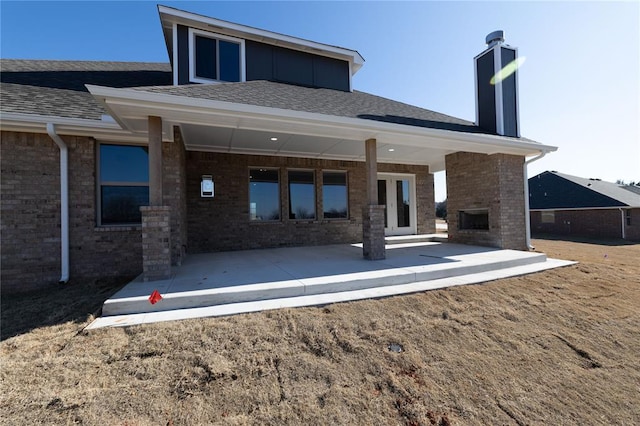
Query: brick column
x=373, y=243
x=373, y=232
x=156, y=242
x=156, y=218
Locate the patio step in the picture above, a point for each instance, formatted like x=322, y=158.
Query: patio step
x=321, y=299
x=407, y=239
x=387, y=273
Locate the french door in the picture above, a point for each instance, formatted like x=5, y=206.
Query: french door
x=398, y=193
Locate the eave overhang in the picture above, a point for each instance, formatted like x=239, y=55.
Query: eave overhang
x=205, y=119
x=106, y=130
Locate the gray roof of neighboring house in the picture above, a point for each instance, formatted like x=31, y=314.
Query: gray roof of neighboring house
x=553, y=190
x=57, y=88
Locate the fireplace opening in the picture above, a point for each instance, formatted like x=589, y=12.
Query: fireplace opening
x=474, y=219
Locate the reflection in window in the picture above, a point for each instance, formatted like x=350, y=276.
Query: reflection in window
x=264, y=195
x=402, y=203
x=123, y=183
x=216, y=59
x=334, y=195
x=302, y=195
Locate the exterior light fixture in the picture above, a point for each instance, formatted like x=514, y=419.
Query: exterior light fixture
x=391, y=149
x=274, y=139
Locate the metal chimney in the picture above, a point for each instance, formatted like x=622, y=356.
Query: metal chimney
x=497, y=87
x=494, y=38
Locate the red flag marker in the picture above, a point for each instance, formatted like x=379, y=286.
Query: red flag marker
x=155, y=297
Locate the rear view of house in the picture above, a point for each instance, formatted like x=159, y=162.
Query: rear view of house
x=246, y=139
x=573, y=206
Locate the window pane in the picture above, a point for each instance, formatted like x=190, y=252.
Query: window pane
x=264, y=195
x=382, y=198
x=402, y=203
x=334, y=195
x=121, y=204
x=302, y=195
x=122, y=163
x=229, y=61
x=206, y=57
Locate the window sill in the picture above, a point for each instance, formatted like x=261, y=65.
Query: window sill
x=116, y=228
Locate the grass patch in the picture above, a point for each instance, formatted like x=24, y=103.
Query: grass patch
x=556, y=347
x=61, y=303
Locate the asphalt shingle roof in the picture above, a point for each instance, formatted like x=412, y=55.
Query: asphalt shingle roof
x=553, y=190
x=57, y=88
x=354, y=104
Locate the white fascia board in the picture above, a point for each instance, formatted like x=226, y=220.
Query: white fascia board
x=170, y=106
x=100, y=130
x=171, y=15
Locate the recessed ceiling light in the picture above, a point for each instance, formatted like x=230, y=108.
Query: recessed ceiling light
x=391, y=149
x=274, y=139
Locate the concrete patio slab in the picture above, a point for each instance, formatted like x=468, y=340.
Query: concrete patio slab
x=246, y=281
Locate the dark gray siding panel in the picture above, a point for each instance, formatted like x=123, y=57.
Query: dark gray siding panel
x=509, y=102
x=183, y=55
x=330, y=73
x=266, y=62
x=293, y=67
x=486, y=92
x=259, y=61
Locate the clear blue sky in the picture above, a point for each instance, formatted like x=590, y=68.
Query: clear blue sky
x=579, y=85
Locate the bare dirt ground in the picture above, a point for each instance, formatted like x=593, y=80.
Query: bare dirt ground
x=557, y=347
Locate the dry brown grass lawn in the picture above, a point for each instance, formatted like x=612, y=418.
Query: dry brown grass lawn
x=558, y=347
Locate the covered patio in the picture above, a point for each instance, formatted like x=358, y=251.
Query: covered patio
x=226, y=283
x=219, y=132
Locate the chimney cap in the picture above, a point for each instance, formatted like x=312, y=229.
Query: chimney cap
x=495, y=37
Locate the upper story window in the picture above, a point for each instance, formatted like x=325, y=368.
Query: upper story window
x=123, y=183
x=215, y=58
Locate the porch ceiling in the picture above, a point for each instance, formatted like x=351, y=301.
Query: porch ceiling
x=219, y=126
x=248, y=141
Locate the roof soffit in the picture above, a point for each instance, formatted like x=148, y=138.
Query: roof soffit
x=132, y=107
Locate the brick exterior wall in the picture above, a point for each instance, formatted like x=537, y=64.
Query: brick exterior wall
x=30, y=209
x=156, y=242
x=491, y=182
x=222, y=223
x=601, y=223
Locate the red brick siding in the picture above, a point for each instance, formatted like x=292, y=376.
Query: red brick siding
x=30, y=208
x=222, y=222
x=492, y=182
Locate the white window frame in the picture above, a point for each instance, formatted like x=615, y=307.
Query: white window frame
x=192, y=55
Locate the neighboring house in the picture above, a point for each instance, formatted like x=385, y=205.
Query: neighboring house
x=561, y=204
x=246, y=139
